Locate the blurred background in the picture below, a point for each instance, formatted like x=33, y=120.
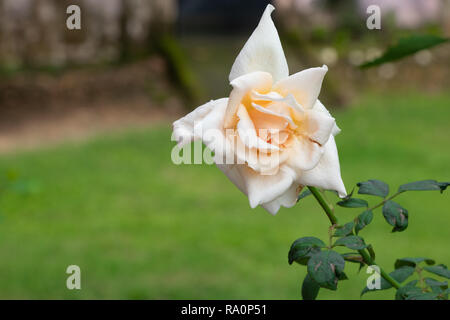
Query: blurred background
x=85, y=122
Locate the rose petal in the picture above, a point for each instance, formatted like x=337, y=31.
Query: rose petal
x=318, y=126
x=304, y=85
x=327, y=173
x=276, y=97
x=242, y=86
x=304, y=154
x=276, y=113
x=288, y=200
x=318, y=106
x=193, y=125
x=261, y=162
x=262, y=51
x=247, y=132
x=261, y=189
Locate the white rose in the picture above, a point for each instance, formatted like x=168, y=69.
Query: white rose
x=269, y=115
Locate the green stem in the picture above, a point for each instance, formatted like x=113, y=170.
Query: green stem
x=367, y=258
x=369, y=261
x=316, y=193
x=385, y=200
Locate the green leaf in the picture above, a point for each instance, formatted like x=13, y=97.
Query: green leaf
x=436, y=286
x=412, y=262
x=351, y=242
x=354, y=258
x=374, y=188
x=405, y=47
x=303, y=248
x=345, y=230
x=310, y=288
x=304, y=194
x=400, y=275
x=325, y=268
x=363, y=220
x=411, y=292
x=420, y=295
x=440, y=270
x=424, y=185
x=353, y=203
x=395, y=215
x=403, y=292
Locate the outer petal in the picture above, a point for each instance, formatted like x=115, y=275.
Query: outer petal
x=304, y=154
x=195, y=124
x=327, y=173
x=318, y=126
x=262, y=51
x=304, y=85
x=288, y=199
x=242, y=86
x=273, y=190
x=318, y=106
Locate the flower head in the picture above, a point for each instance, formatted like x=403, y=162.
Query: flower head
x=272, y=136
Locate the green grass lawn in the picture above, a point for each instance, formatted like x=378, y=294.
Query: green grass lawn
x=141, y=227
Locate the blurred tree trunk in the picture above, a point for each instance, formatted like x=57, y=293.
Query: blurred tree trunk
x=124, y=40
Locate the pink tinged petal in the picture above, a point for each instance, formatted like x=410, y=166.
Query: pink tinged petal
x=327, y=173
x=192, y=126
x=263, y=163
x=304, y=154
x=264, y=121
x=247, y=132
x=304, y=86
x=268, y=110
x=318, y=126
x=280, y=137
x=262, y=51
x=319, y=107
x=271, y=96
x=289, y=100
x=242, y=86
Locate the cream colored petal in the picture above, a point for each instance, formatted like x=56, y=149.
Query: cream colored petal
x=262, y=51
x=318, y=126
x=274, y=113
x=276, y=97
x=242, y=87
x=318, y=106
x=269, y=191
x=327, y=173
x=304, y=86
x=266, y=188
x=261, y=162
x=288, y=199
x=269, y=122
x=247, y=132
x=271, y=96
x=192, y=126
x=304, y=154
x=233, y=172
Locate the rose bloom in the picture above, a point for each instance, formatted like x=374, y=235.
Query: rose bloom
x=279, y=135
